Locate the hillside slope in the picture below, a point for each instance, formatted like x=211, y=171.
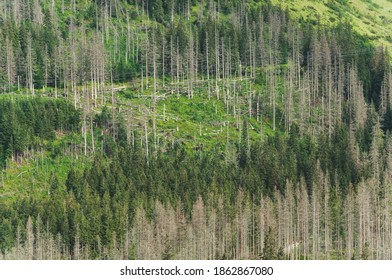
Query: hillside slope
x=172, y=129
x=372, y=18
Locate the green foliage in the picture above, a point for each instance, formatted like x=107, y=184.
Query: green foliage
x=102, y=199
x=199, y=148
x=25, y=123
x=270, y=249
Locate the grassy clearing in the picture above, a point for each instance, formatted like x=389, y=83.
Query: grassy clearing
x=203, y=122
x=372, y=18
x=32, y=177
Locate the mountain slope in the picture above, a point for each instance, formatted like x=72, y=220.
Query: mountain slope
x=219, y=130
x=372, y=18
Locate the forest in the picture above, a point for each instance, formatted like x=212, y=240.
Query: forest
x=182, y=129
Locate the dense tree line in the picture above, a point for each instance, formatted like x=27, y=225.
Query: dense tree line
x=307, y=74
x=180, y=204
x=318, y=187
x=25, y=123
x=63, y=45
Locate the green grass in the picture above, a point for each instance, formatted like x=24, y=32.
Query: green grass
x=372, y=18
x=202, y=120
x=31, y=177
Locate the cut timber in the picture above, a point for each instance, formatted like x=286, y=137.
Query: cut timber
x=119, y=88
